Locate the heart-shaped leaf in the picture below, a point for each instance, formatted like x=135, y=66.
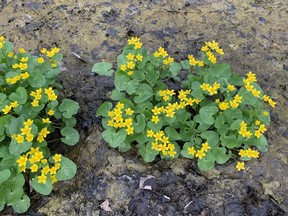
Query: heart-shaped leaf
x=68, y=108
x=21, y=205
x=206, y=114
x=104, y=109
x=103, y=68
x=114, y=138
x=67, y=171
x=4, y=175
x=36, y=79
x=20, y=95
x=211, y=136
x=41, y=188
x=144, y=92
x=71, y=136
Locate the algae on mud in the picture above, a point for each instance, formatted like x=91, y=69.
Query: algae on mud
x=254, y=37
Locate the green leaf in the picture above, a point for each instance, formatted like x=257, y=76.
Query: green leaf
x=144, y=92
x=185, y=64
x=67, y=171
x=152, y=76
x=41, y=188
x=220, y=155
x=114, y=138
x=205, y=164
x=71, y=136
x=211, y=136
x=120, y=82
x=68, y=108
x=4, y=123
x=172, y=134
x=14, y=182
x=2, y=97
x=141, y=123
x=71, y=122
x=196, y=90
x=36, y=79
x=147, y=153
x=57, y=57
x=175, y=68
x=53, y=72
x=18, y=148
x=236, y=124
x=131, y=86
x=21, y=205
x=229, y=141
x=103, y=68
x=185, y=151
x=104, y=109
x=20, y=95
x=220, y=70
x=13, y=195
x=4, y=175
x=202, y=125
x=15, y=125
x=206, y=114
x=117, y=95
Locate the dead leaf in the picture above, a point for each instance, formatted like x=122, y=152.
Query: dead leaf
x=143, y=180
x=105, y=206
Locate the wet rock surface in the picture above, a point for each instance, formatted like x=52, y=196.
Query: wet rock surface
x=253, y=36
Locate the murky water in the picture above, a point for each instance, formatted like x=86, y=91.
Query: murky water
x=253, y=36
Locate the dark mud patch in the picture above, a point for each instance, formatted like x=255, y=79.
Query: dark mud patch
x=253, y=35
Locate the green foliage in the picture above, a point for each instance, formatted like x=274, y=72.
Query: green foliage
x=30, y=113
x=216, y=116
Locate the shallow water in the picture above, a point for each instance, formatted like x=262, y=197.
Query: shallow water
x=253, y=36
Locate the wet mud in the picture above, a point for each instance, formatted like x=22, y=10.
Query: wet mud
x=253, y=36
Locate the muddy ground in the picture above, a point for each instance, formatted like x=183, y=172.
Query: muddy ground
x=253, y=35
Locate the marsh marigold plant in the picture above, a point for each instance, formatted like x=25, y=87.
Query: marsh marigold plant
x=30, y=112
x=213, y=115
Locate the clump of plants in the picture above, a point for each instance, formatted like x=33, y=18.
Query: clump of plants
x=214, y=115
x=30, y=112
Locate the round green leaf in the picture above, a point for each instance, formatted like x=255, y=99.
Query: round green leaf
x=141, y=123
x=36, y=79
x=67, y=171
x=104, y=109
x=68, y=108
x=205, y=164
x=41, y=188
x=206, y=114
x=175, y=68
x=4, y=175
x=114, y=138
x=21, y=205
x=103, y=68
x=20, y=95
x=211, y=136
x=144, y=92
x=71, y=136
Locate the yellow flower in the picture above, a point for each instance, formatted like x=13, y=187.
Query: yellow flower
x=2, y=38
x=28, y=123
x=40, y=60
x=192, y=60
x=255, y=93
x=240, y=166
x=257, y=133
x=200, y=154
x=234, y=104
x=171, y=153
x=26, y=130
x=47, y=120
x=130, y=57
x=35, y=103
x=45, y=170
x=14, y=104
x=204, y=48
x=128, y=122
x=10, y=54
x=251, y=77
x=22, y=161
x=50, y=54
x=53, y=170
x=242, y=153
x=158, y=135
x=43, y=50
x=54, y=65
x=130, y=73
x=50, y=112
x=191, y=151
x=205, y=86
x=57, y=158
x=29, y=137
x=44, y=132
x=130, y=130
x=231, y=87
x=156, y=110
x=19, y=138
x=44, y=161
x=57, y=166
x=24, y=59
x=34, y=168
x=266, y=98
x=22, y=50
x=223, y=105
x=205, y=147
x=130, y=65
x=272, y=103
x=150, y=133
x=22, y=66
x=129, y=111
x=238, y=98
x=53, y=178
x=139, y=57
x=123, y=67
x=257, y=122
x=42, y=179
x=40, y=138
x=138, y=45
x=155, y=119
x=133, y=40
x=265, y=113
x=262, y=128
x=24, y=75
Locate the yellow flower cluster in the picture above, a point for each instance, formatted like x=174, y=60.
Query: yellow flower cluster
x=42, y=134
x=8, y=108
x=117, y=120
x=161, y=143
x=261, y=129
x=209, y=47
x=166, y=94
x=25, y=131
x=37, y=96
x=161, y=52
x=21, y=66
x=15, y=79
x=51, y=94
x=171, y=108
x=233, y=103
x=251, y=78
x=272, y=103
x=194, y=62
x=49, y=53
x=132, y=61
x=199, y=153
x=34, y=160
x=246, y=153
x=212, y=89
x=136, y=42
x=243, y=130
